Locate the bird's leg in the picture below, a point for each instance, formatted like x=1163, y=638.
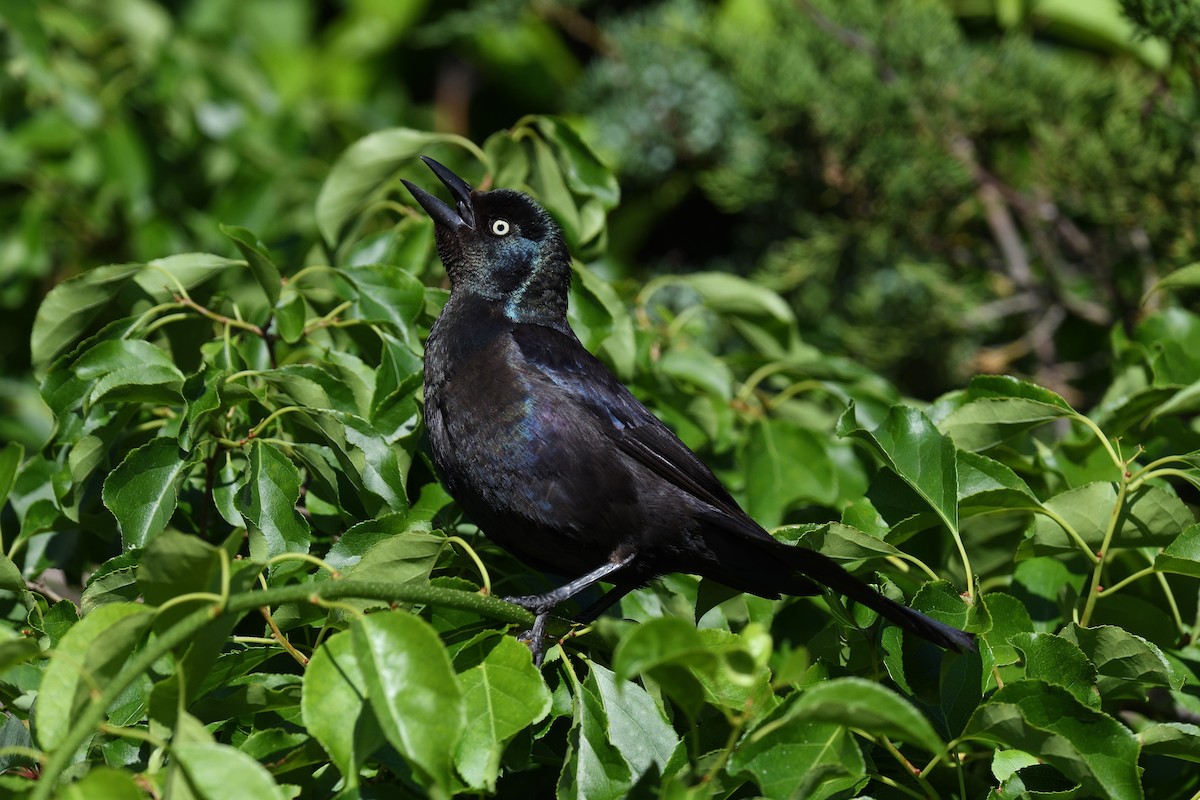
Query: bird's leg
x=604, y=603
x=542, y=604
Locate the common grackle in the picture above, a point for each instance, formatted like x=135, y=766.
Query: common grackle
x=555, y=459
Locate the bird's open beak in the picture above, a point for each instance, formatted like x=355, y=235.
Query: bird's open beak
x=442, y=214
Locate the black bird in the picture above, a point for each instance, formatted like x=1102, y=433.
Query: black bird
x=555, y=459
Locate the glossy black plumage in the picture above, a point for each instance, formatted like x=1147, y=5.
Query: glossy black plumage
x=554, y=458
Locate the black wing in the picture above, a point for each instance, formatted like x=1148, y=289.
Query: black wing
x=635, y=430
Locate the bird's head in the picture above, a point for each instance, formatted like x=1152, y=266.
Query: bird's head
x=501, y=246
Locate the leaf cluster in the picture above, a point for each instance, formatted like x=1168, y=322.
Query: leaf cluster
x=279, y=600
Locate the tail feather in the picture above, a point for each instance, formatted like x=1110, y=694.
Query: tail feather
x=825, y=570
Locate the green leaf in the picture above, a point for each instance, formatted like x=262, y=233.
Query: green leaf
x=383, y=471
x=113, y=354
x=290, y=316
x=413, y=692
x=139, y=384
x=187, y=269
x=988, y=421
x=1086, y=745
x=584, y=172
x=1117, y=653
x=89, y=655
x=335, y=708
x=671, y=651
x=142, y=491
x=785, y=465
x=1152, y=517
x=502, y=696
x=843, y=543
x=1175, y=739
x=312, y=387
x=202, y=392
x=219, y=772
x=636, y=726
x=730, y=294
x=1008, y=386
x=175, y=564
x=1056, y=660
x=10, y=462
x=601, y=319
x=912, y=447
x=618, y=734
x=103, y=783
x=790, y=759
x=365, y=170
x=268, y=501
x=258, y=259
x=1009, y=618
x=404, y=557
x=859, y=703
x=1182, y=278
x=1182, y=556
x=985, y=485
x=70, y=308
x=114, y=582
x=386, y=293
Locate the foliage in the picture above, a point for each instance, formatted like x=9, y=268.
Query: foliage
x=937, y=189
x=281, y=601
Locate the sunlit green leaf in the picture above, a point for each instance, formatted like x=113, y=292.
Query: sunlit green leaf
x=91, y=653
x=142, y=491
x=1084, y=744
x=502, y=695
x=268, y=501
x=413, y=692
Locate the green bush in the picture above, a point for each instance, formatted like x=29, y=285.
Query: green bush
x=281, y=601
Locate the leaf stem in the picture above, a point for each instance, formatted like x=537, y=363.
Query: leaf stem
x=1068, y=528
x=1116, y=459
x=908, y=766
x=483, y=573
x=328, y=319
x=1189, y=476
x=310, y=558
x=133, y=733
x=1166, y=587
x=274, y=415
x=1119, y=585
x=310, y=269
x=221, y=318
x=1094, y=591
x=893, y=783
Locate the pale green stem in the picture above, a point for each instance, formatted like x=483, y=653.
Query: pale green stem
x=793, y=390
x=274, y=415
x=1094, y=591
x=312, y=268
x=1103, y=440
x=1166, y=587
x=1070, y=530
x=1163, y=473
x=930, y=792
x=1121, y=584
x=163, y=321
x=171, y=277
x=327, y=319
x=758, y=376
x=311, y=559
x=483, y=573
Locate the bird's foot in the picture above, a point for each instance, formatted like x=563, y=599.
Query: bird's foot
x=536, y=637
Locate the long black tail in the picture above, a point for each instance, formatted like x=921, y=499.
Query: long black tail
x=825, y=570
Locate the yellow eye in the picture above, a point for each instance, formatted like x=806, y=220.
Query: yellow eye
x=500, y=227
